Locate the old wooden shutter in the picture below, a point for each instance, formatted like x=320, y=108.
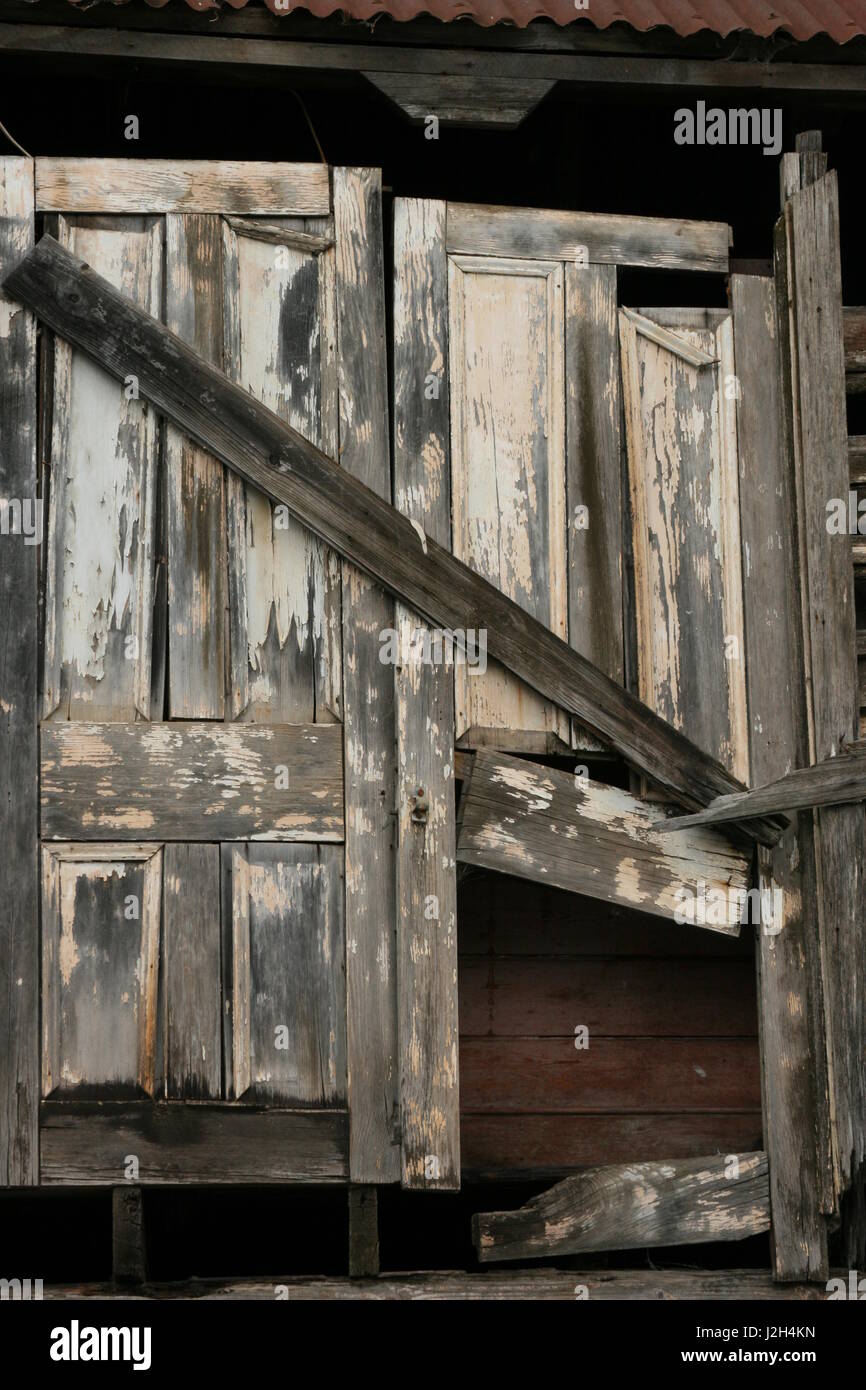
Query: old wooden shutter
x=196, y=900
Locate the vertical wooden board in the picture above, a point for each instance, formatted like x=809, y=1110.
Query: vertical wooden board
x=368, y=696
x=195, y=491
x=796, y=1132
x=426, y=853
x=128, y=1246
x=19, y=902
x=280, y=344
x=191, y=972
x=100, y=955
x=99, y=582
x=285, y=983
x=506, y=383
x=682, y=452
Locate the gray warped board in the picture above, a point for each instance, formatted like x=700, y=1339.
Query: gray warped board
x=90, y=1144
x=190, y=185
x=284, y=968
x=587, y=237
x=355, y=520
x=19, y=902
x=634, y=1205
x=575, y=833
x=682, y=454
x=280, y=344
x=101, y=909
x=831, y=783
x=192, y=781
x=103, y=460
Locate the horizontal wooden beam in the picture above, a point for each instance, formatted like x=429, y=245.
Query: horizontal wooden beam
x=623, y=1207
x=486, y=102
x=239, y=430
x=191, y=1143
x=834, y=782
x=857, y=458
x=578, y=834
x=191, y=781
x=182, y=185
x=599, y=238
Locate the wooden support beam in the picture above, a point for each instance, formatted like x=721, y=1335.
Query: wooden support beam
x=128, y=1248
x=575, y=833
x=832, y=783
x=20, y=513
x=363, y=1232
x=181, y=185
x=86, y=310
x=624, y=1207
x=191, y=781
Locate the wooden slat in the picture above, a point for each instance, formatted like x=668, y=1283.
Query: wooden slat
x=857, y=458
x=424, y=693
x=196, y=525
x=359, y=524
x=190, y=185
x=19, y=901
x=363, y=1232
x=191, y=972
x=369, y=729
x=128, y=1253
x=201, y=1144
x=191, y=781
x=593, y=468
x=463, y=99
x=685, y=521
x=104, y=449
x=575, y=833
x=854, y=342
x=643, y=1204
x=831, y=783
x=587, y=236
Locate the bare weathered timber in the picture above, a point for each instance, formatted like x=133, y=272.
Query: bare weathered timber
x=686, y=530
x=363, y=1232
x=369, y=732
x=424, y=692
x=641, y=1204
x=128, y=1252
x=101, y=909
x=462, y=99
x=195, y=488
x=353, y=519
x=184, y=186
x=835, y=782
x=88, y=1145
x=192, y=1006
x=575, y=833
x=593, y=494
x=191, y=781
x=793, y=1063
x=284, y=974
x=19, y=790
x=587, y=237
x=807, y=241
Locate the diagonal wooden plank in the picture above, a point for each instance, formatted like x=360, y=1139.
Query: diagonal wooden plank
x=621, y=1207
x=834, y=782
x=249, y=438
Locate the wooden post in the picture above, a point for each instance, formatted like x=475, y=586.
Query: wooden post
x=20, y=513
x=363, y=1232
x=128, y=1255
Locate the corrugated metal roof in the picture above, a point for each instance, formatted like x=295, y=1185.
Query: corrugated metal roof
x=841, y=19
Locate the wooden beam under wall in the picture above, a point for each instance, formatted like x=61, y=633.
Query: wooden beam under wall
x=20, y=514
x=790, y=1008
x=353, y=519
x=128, y=1252
x=624, y=1207
x=363, y=1232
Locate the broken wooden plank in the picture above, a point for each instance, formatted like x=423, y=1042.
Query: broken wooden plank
x=575, y=833
x=21, y=535
x=251, y=188
x=191, y=781
x=632, y=1206
x=424, y=679
x=588, y=237
x=369, y=729
x=832, y=783
x=353, y=519
x=691, y=353
x=89, y=1145
x=192, y=1010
